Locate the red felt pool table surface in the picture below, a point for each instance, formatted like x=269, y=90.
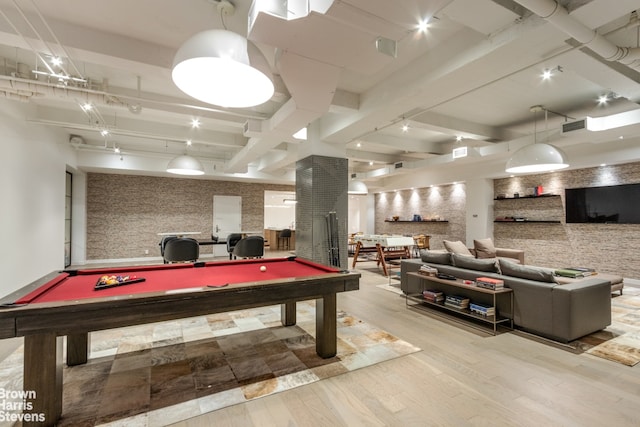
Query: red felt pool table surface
x=80, y=284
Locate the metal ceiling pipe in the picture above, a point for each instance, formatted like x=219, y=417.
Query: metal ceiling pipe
x=557, y=15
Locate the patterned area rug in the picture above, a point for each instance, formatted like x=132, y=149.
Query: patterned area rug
x=162, y=373
x=620, y=342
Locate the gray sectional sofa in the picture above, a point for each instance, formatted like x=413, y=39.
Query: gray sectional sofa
x=561, y=312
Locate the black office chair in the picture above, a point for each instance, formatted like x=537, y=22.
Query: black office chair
x=249, y=247
x=181, y=249
x=285, y=236
x=163, y=243
x=232, y=241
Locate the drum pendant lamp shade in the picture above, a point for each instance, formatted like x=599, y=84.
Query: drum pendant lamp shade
x=537, y=157
x=357, y=187
x=185, y=165
x=223, y=68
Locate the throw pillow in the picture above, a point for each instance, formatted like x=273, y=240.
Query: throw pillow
x=509, y=268
x=463, y=261
x=435, y=257
x=484, y=248
x=457, y=247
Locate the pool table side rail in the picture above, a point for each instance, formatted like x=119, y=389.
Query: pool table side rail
x=64, y=318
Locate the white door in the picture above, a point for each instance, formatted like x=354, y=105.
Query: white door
x=227, y=219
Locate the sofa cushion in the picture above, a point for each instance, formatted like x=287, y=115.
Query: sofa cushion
x=463, y=261
x=435, y=257
x=457, y=247
x=509, y=268
x=484, y=248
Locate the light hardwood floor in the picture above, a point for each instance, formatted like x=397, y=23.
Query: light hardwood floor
x=460, y=378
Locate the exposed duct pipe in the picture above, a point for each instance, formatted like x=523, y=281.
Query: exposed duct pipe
x=557, y=15
x=23, y=90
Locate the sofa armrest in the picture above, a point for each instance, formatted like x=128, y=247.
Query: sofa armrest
x=581, y=308
x=517, y=254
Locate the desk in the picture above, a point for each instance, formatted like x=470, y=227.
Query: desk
x=65, y=303
x=385, y=248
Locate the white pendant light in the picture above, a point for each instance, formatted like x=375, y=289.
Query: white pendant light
x=185, y=165
x=357, y=187
x=537, y=157
x=223, y=68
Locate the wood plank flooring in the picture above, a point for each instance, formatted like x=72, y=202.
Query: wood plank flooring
x=461, y=377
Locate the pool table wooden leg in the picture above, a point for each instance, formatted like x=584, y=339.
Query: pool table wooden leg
x=326, y=324
x=43, y=377
x=78, y=348
x=288, y=313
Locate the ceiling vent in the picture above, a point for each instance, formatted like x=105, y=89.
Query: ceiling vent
x=574, y=126
x=398, y=165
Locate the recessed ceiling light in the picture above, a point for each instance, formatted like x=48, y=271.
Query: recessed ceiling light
x=56, y=61
x=546, y=74
x=87, y=106
x=370, y=163
x=602, y=99
x=104, y=132
x=423, y=25
x=195, y=123
x=358, y=145
x=189, y=142
x=405, y=127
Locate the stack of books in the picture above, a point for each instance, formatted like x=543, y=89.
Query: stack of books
x=456, y=301
x=433, y=295
x=575, y=272
x=428, y=271
x=490, y=283
x=481, y=309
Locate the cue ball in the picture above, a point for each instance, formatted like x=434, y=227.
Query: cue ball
x=263, y=268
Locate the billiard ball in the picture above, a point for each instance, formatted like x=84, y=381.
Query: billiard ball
x=263, y=268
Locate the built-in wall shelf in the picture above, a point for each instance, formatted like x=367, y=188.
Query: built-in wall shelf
x=417, y=222
x=527, y=221
x=543, y=196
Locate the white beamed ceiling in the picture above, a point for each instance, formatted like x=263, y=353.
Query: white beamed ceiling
x=474, y=73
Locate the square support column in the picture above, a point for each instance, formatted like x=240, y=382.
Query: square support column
x=321, y=188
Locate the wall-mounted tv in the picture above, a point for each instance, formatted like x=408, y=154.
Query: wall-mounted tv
x=619, y=204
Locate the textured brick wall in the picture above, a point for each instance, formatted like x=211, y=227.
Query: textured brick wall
x=125, y=212
x=611, y=248
x=447, y=201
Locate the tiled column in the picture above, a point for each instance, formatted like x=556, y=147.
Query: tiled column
x=321, y=188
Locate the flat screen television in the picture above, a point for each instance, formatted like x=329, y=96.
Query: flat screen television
x=619, y=204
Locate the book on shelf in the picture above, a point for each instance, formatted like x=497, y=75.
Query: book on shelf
x=433, y=295
x=490, y=283
x=427, y=270
x=482, y=309
x=456, y=301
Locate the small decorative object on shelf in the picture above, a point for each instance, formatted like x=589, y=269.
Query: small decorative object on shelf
x=395, y=217
x=426, y=270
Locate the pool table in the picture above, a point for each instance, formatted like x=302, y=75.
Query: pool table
x=67, y=304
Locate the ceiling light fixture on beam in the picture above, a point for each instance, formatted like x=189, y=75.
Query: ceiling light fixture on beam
x=537, y=157
x=223, y=68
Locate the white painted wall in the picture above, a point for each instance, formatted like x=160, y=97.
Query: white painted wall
x=32, y=184
x=358, y=220
x=479, y=205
